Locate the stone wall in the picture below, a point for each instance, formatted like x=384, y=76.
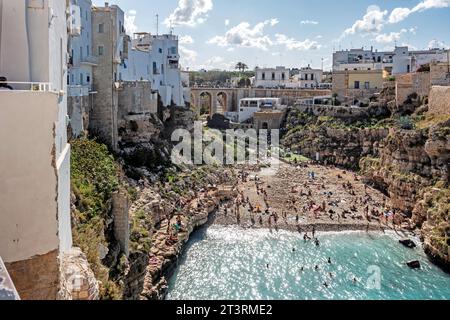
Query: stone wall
x=78, y=109
x=268, y=120
x=77, y=279
x=407, y=84
x=439, y=101
x=36, y=278
x=440, y=74
x=120, y=214
x=136, y=97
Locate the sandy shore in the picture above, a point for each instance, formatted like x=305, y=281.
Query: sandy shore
x=332, y=200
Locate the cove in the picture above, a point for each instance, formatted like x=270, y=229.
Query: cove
x=231, y=263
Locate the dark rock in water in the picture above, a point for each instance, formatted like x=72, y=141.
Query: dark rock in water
x=413, y=264
x=408, y=243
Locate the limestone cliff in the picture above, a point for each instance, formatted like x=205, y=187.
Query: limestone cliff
x=408, y=164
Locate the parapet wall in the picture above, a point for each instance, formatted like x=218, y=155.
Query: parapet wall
x=439, y=101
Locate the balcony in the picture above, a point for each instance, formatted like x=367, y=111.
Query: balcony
x=78, y=91
x=26, y=86
x=89, y=60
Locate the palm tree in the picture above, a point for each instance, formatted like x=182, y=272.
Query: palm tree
x=241, y=66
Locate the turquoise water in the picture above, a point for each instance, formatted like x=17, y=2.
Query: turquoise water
x=230, y=263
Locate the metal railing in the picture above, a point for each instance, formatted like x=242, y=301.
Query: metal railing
x=89, y=60
x=78, y=90
x=26, y=86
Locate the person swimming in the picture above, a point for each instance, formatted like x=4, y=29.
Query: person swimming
x=316, y=267
x=329, y=260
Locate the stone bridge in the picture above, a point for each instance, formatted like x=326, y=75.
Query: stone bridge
x=222, y=100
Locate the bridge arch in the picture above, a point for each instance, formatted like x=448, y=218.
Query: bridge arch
x=205, y=103
x=222, y=102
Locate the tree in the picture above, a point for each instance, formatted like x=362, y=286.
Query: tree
x=241, y=66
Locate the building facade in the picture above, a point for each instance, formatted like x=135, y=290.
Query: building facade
x=400, y=60
x=357, y=84
x=271, y=77
x=81, y=63
x=155, y=58
x=35, y=228
x=310, y=78
x=108, y=36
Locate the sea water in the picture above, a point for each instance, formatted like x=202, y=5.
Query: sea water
x=232, y=263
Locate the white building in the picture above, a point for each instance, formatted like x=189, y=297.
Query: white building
x=155, y=58
x=361, y=59
x=35, y=227
x=249, y=106
x=271, y=78
x=399, y=61
x=406, y=61
x=81, y=63
x=310, y=78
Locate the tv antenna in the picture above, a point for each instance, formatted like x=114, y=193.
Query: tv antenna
x=157, y=24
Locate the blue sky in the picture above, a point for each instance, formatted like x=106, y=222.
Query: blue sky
x=293, y=33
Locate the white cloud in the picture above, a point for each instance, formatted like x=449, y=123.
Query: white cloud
x=189, y=13
x=227, y=22
x=217, y=62
x=309, y=22
x=130, y=22
x=372, y=22
x=319, y=36
x=292, y=44
x=437, y=44
x=273, y=22
x=400, y=14
x=243, y=35
x=186, y=39
x=390, y=37
x=188, y=57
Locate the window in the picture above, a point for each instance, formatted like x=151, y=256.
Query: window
x=160, y=50
x=306, y=76
x=88, y=51
x=273, y=75
x=101, y=28
x=283, y=76
x=367, y=85
x=173, y=50
x=162, y=69
x=88, y=79
x=264, y=76
x=356, y=84
x=155, y=69
x=100, y=50
x=312, y=76
x=81, y=79
x=81, y=53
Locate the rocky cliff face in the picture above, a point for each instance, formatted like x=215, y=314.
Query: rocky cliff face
x=343, y=147
x=411, y=166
